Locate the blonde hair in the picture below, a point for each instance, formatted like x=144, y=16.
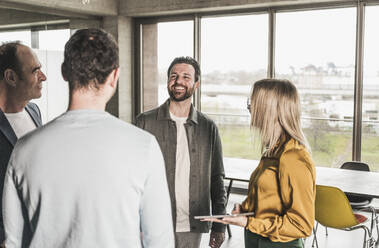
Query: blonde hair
x=275, y=112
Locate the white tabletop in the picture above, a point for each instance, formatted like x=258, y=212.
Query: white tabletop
x=359, y=183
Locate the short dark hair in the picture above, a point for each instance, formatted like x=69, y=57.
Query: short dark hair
x=186, y=60
x=8, y=58
x=89, y=57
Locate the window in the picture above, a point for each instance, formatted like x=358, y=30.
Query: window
x=370, y=105
x=233, y=56
x=316, y=51
x=54, y=99
x=24, y=36
x=162, y=42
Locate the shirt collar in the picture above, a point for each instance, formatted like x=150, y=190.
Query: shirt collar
x=164, y=113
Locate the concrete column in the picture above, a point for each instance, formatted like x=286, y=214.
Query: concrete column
x=150, y=66
x=110, y=24
x=121, y=103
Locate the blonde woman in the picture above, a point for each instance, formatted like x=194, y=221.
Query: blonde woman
x=282, y=188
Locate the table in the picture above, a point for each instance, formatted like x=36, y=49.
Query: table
x=359, y=183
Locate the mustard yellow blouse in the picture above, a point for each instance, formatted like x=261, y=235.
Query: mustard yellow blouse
x=283, y=198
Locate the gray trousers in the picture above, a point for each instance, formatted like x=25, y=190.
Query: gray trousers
x=187, y=240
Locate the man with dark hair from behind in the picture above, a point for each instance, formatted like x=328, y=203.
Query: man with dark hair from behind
x=20, y=81
x=87, y=179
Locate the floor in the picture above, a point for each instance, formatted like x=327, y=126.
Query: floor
x=335, y=238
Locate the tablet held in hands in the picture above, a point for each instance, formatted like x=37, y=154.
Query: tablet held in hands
x=221, y=216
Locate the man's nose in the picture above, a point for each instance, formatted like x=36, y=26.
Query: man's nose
x=42, y=76
x=178, y=80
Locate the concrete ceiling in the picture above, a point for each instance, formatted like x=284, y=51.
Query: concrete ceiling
x=169, y=7
x=73, y=8
x=135, y=8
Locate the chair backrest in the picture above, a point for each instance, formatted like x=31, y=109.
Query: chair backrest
x=360, y=166
x=355, y=165
x=332, y=208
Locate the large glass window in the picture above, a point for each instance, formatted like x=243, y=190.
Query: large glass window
x=370, y=106
x=161, y=43
x=316, y=51
x=24, y=36
x=54, y=99
x=233, y=55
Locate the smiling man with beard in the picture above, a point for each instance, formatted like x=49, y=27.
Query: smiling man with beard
x=191, y=147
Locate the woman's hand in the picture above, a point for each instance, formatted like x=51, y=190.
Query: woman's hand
x=237, y=220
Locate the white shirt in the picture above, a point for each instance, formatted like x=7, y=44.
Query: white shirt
x=182, y=175
x=87, y=179
x=21, y=122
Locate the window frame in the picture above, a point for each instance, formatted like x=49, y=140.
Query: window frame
x=271, y=11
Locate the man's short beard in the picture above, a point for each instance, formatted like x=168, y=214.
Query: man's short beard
x=187, y=95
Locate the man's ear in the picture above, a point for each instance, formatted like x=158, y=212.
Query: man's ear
x=10, y=77
x=197, y=84
x=63, y=71
x=114, y=75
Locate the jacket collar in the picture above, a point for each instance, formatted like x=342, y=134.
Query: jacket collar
x=33, y=113
x=292, y=144
x=6, y=128
x=164, y=113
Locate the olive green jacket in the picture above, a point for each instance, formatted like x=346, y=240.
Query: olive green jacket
x=207, y=191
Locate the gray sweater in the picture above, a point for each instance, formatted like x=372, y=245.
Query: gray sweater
x=87, y=179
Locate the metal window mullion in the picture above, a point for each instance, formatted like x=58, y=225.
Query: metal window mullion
x=196, y=55
x=138, y=90
x=34, y=39
x=271, y=43
x=358, y=83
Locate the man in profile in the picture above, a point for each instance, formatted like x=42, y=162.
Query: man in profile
x=87, y=179
x=20, y=81
x=192, y=150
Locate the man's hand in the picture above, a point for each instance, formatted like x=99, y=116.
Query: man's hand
x=216, y=239
x=237, y=209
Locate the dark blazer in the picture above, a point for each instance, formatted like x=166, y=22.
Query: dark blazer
x=7, y=141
